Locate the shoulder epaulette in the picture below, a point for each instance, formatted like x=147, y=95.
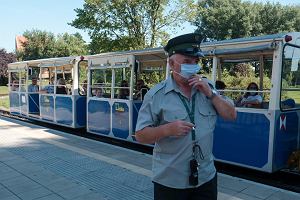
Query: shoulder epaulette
x=156, y=88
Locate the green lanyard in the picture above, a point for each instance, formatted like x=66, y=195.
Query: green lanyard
x=196, y=148
x=191, y=113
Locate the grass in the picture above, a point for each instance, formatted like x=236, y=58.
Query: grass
x=294, y=95
x=4, y=102
x=3, y=90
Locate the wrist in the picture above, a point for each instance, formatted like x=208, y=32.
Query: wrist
x=213, y=94
x=164, y=131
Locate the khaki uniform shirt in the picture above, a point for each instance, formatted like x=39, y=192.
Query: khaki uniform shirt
x=171, y=155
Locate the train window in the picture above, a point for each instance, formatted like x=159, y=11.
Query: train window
x=101, y=80
x=82, y=74
x=14, y=81
x=290, y=78
x=23, y=82
x=122, y=83
x=64, y=80
x=47, y=80
x=33, y=82
x=246, y=80
x=152, y=73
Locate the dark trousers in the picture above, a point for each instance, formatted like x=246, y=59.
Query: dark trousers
x=207, y=191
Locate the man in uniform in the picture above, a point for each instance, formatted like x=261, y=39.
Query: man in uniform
x=179, y=116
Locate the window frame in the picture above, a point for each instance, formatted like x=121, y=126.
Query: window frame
x=281, y=74
x=78, y=71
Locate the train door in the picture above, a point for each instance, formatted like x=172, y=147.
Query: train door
x=287, y=117
x=110, y=96
x=80, y=91
x=33, y=87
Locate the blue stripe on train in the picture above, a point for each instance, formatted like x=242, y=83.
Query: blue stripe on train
x=81, y=111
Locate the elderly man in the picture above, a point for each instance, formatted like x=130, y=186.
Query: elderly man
x=179, y=116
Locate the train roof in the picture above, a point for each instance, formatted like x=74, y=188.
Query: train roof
x=222, y=47
x=154, y=55
x=250, y=44
x=45, y=61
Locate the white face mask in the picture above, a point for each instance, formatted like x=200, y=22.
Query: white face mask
x=252, y=93
x=188, y=70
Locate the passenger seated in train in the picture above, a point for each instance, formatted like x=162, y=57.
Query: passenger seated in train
x=220, y=85
x=97, y=90
x=251, y=99
x=49, y=88
x=124, y=92
x=33, y=87
x=141, y=89
x=61, y=86
x=15, y=85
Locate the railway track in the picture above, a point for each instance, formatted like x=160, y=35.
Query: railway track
x=284, y=179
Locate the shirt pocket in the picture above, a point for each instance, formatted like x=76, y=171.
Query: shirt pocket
x=172, y=144
x=174, y=115
x=207, y=118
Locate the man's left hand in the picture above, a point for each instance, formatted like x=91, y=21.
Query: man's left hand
x=201, y=85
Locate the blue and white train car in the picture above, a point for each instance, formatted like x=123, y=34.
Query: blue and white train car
x=48, y=90
x=262, y=137
x=103, y=93
x=114, y=98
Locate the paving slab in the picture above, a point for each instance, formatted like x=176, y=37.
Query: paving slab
x=44, y=164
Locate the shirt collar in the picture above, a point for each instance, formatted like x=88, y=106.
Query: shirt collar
x=171, y=85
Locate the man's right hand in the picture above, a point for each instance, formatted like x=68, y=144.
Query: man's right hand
x=178, y=128
x=150, y=135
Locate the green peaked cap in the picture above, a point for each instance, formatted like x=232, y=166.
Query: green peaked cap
x=187, y=44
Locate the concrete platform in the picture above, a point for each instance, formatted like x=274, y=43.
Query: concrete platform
x=44, y=164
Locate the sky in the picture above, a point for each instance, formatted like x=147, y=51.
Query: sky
x=17, y=16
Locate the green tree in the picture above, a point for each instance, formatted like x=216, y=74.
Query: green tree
x=39, y=44
x=67, y=45
x=42, y=44
x=5, y=58
x=275, y=18
x=226, y=19
x=125, y=25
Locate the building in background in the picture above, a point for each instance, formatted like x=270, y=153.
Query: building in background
x=20, y=40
